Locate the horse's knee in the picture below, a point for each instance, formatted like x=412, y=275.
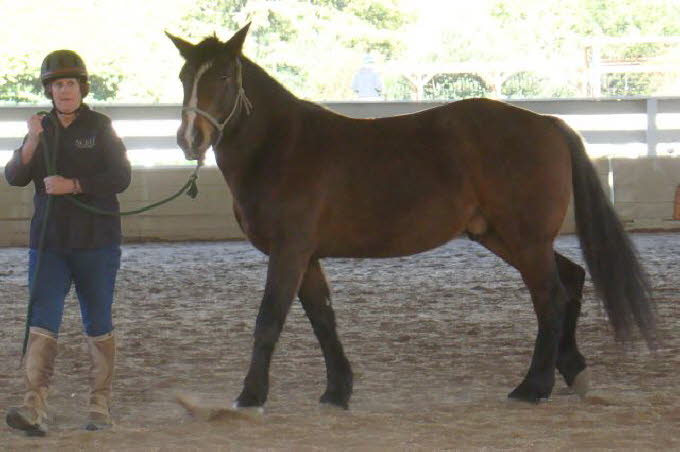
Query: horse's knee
x=267, y=334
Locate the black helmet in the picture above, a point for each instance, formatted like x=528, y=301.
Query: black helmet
x=63, y=64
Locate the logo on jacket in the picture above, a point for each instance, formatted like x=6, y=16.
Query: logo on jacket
x=85, y=143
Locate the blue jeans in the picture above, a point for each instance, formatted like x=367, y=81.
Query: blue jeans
x=92, y=271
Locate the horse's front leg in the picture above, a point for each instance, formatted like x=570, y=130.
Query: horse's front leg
x=284, y=273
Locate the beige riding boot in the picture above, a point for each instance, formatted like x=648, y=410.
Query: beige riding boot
x=41, y=352
x=102, y=351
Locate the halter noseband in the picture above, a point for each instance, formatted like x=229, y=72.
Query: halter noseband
x=241, y=101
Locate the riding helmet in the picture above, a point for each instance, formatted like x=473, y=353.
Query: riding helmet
x=64, y=64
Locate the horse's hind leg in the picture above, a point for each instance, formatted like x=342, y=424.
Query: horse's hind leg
x=540, y=274
x=315, y=298
x=570, y=362
x=536, y=263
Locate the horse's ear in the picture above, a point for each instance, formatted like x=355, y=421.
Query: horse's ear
x=183, y=46
x=235, y=44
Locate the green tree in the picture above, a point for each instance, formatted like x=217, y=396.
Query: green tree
x=456, y=86
x=19, y=82
x=337, y=4
x=104, y=86
x=315, y=47
x=381, y=14
x=524, y=85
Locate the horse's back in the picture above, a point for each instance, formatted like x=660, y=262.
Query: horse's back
x=473, y=142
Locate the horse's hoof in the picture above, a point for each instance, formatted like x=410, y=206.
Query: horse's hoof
x=336, y=400
x=525, y=398
x=22, y=419
x=581, y=383
x=248, y=411
x=529, y=393
x=95, y=426
x=248, y=400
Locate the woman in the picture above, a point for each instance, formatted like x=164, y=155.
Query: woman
x=79, y=247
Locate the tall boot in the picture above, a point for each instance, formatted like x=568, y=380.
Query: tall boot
x=41, y=352
x=102, y=350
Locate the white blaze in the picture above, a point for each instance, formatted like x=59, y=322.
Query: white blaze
x=193, y=103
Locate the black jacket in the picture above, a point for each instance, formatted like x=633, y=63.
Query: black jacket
x=90, y=151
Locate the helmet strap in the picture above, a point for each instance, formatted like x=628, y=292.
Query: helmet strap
x=74, y=112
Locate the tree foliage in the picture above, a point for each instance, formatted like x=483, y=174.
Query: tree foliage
x=314, y=47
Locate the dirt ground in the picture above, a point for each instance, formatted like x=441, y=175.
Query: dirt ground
x=436, y=342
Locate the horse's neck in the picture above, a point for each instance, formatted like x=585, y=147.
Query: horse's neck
x=264, y=89
x=273, y=109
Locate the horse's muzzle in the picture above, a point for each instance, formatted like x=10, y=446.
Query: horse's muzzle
x=191, y=150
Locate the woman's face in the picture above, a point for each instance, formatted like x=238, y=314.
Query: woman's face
x=66, y=94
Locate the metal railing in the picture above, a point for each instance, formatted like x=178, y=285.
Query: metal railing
x=649, y=134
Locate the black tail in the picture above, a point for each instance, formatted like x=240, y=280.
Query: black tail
x=617, y=275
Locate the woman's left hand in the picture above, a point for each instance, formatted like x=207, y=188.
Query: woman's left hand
x=58, y=185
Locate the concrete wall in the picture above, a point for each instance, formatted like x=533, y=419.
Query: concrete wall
x=644, y=191
x=208, y=217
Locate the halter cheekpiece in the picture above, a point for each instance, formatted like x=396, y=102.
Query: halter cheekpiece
x=240, y=101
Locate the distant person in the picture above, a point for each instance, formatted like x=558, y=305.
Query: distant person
x=367, y=84
x=80, y=247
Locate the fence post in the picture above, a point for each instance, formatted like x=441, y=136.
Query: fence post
x=652, y=131
x=611, y=179
x=593, y=56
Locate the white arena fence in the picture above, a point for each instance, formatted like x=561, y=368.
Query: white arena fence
x=647, y=123
x=633, y=142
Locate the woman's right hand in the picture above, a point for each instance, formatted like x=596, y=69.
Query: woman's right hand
x=35, y=127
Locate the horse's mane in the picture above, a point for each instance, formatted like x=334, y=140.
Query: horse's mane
x=211, y=47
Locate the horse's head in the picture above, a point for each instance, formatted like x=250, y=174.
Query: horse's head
x=213, y=91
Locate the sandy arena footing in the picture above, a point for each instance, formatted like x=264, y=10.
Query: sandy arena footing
x=436, y=342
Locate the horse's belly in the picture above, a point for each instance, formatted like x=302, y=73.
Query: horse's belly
x=408, y=233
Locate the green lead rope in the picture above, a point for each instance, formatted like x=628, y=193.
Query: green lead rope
x=190, y=188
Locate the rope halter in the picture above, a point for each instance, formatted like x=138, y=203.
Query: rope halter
x=241, y=101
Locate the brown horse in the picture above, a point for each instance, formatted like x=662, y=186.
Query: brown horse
x=309, y=183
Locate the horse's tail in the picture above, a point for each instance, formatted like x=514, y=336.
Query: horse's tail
x=617, y=275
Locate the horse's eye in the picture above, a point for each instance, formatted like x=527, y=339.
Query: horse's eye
x=226, y=78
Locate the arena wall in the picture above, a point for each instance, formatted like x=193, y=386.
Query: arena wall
x=644, y=196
